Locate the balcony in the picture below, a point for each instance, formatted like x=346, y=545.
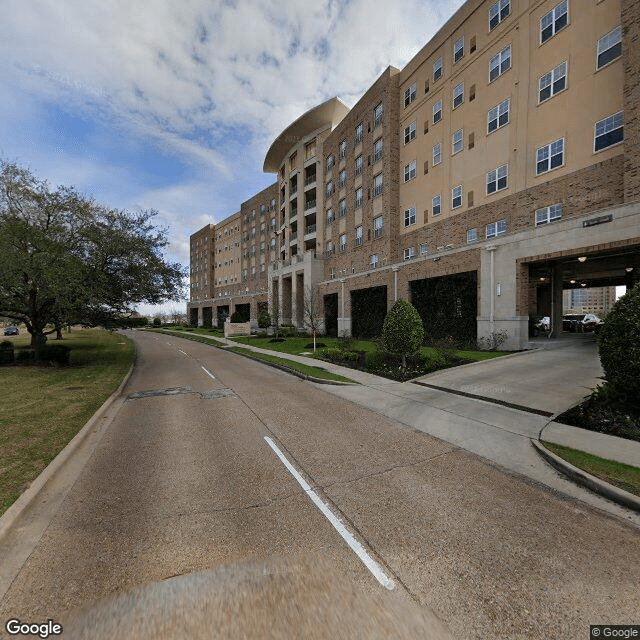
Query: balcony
x=309, y=205
x=310, y=180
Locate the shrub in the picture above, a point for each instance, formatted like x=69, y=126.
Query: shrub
x=6, y=352
x=619, y=346
x=236, y=316
x=157, y=322
x=55, y=353
x=264, y=319
x=402, y=331
x=288, y=330
x=27, y=355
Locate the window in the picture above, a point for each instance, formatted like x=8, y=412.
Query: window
x=424, y=249
x=358, y=137
x=498, y=116
x=342, y=151
x=435, y=205
x=456, y=197
x=331, y=160
x=377, y=115
x=377, y=227
x=410, y=133
x=456, y=142
x=437, y=69
x=497, y=179
x=437, y=154
x=409, y=253
x=550, y=156
x=359, y=165
x=358, y=197
x=410, y=171
x=410, y=95
x=342, y=208
x=458, y=49
x=329, y=249
x=609, y=131
x=358, y=236
x=553, y=21
x=472, y=236
x=437, y=111
x=330, y=216
x=409, y=216
x=500, y=63
x=548, y=214
x=377, y=185
x=458, y=95
x=377, y=150
x=273, y=243
x=609, y=47
x=273, y=224
x=342, y=178
x=329, y=190
x=373, y=261
x=498, y=12
x=343, y=242
x=552, y=82
x=494, y=229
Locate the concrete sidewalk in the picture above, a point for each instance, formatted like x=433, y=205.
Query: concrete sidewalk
x=544, y=381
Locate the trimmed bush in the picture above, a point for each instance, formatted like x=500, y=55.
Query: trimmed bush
x=402, y=331
x=619, y=346
x=236, y=316
x=157, y=322
x=6, y=352
x=55, y=353
x=264, y=320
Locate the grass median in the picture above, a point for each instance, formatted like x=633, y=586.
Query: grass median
x=43, y=408
x=315, y=372
x=620, y=475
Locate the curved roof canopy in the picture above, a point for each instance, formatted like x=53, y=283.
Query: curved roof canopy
x=328, y=113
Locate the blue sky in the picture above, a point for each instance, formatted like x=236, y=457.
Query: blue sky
x=158, y=104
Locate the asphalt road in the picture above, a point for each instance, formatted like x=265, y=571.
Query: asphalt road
x=183, y=480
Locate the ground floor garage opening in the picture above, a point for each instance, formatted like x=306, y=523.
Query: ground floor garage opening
x=566, y=293
x=207, y=317
x=245, y=312
x=331, y=314
x=368, y=311
x=448, y=306
x=222, y=315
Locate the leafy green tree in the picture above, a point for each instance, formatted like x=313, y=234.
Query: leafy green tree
x=402, y=331
x=264, y=319
x=619, y=346
x=65, y=258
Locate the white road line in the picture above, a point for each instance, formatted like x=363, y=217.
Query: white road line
x=356, y=547
x=181, y=351
x=209, y=373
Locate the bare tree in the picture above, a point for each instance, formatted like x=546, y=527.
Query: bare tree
x=312, y=311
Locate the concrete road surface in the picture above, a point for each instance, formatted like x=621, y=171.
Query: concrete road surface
x=215, y=461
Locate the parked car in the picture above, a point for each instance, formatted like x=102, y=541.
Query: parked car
x=538, y=325
x=581, y=322
x=11, y=331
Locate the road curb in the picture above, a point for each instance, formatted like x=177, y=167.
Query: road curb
x=12, y=514
x=585, y=479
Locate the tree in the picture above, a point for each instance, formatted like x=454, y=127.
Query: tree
x=619, y=347
x=312, y=311
x=402, y=331
x=64, y=258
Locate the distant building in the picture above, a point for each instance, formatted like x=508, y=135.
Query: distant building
x=596, y=300
x=498, y=168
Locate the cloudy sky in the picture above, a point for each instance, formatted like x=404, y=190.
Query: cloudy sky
x=167, y=105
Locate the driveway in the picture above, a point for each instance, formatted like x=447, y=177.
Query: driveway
x=554, y=377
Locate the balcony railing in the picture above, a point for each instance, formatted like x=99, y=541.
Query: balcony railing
x=310, y=180
x=310, y=229
x=309, y=204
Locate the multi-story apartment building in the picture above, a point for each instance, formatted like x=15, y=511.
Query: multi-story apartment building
x=498, y=168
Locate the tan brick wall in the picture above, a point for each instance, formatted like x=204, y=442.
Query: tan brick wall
x=631, y=64
x=591, y=189
x=385, y=91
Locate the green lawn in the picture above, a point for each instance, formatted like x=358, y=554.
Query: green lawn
x=620, y=475
x=297, y=346
x=42, y=408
